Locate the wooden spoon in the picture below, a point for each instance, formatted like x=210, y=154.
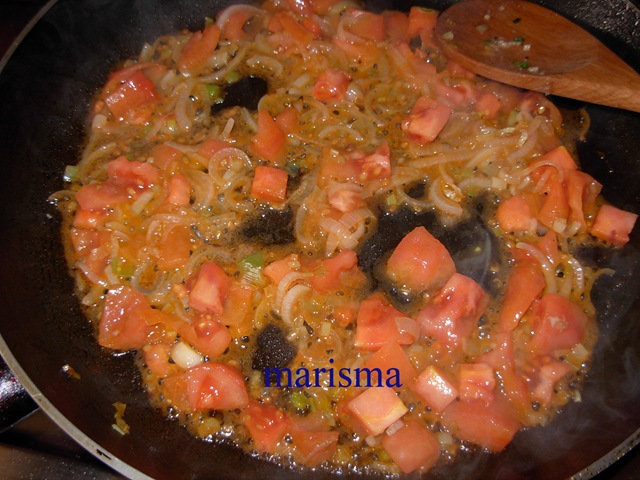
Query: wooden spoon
x=523, y=44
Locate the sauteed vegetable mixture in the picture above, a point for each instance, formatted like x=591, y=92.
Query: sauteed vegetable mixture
x=223, y=239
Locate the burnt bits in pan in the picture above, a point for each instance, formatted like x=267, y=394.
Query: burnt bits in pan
x=245, y=93
x=273, y=352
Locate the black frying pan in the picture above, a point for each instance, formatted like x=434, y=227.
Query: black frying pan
x=44, y=93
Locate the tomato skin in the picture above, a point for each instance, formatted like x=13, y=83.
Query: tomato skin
x=426, y=120
x=396, y=25
x=548, y=375
x=121, y=327
x=210, y=289
x=420, y=261
x=267, y=425
x=199, y=49
x=613, y=225
x=435, y=388
x=524, y=285
x=333, y=268
x=377, y=408
x=331, y=86
x=377, y=164
x=486, y=424
x=412, y=447
x=313, y=441
x=557, y=324
x=270, y=184
x=454, y=311
x=136, y=91
x=215, y=386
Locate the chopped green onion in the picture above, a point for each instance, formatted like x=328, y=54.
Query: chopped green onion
x=523, y=65
x=232, y=77
x=251, y=268
x=392, y=200
x=172, y=124
x=119, y=266
x=70, y=173
x=215, y=92
x=300, y=401
x=519, y=39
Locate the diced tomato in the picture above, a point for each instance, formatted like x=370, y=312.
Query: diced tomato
x=85, y=241
x=156, y=358
x=477, y=381
x=412, y=447
x=267, y=425
x=435, y=389
x=288, y=120
x=270, y=184
x=121, y=328
x=524, y=285
x=454, y=311
x=460, y=94
x=237, y=306
x=322, y=7
x=548, y=245
x=377, y=164
x=286, y=23
x=332, y=270
x=345, y=314
x=199, y=48
x=331, y=86
x=555, y=209
x=175, y=248
x=132, y=174
x=549, y=374
x=366, y=25
x=211, y=146
x=277, y=269
x=216, y=386
x=557, y=324
x=420, y=261
x=613, y=225
x=396, y=25
x=234, y=27
x=100, y=196
x=89, y=219
x=426, y=120
x=393, y=356
x=345, y=199
x=335, y=165
x=208, y=336
x=179, y=191
x=210, y=289
x=366, y=52
x=516, y=215
x=486, y=424
x=487, y=104
x=421, y=21
x=136, y=91
x=376, y=408
x=314, y=443
x=164, y=156
x=269, y=142
x=582, y=192
x=376, y=325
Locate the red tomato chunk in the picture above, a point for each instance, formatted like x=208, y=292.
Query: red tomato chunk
x=412, y=447
x=377, y=408
x=216, y=386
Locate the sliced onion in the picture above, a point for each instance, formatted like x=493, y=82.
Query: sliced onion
x=286, y=283
x=394, y=427
x=289, y=301
x=185, y=356
x=547, y=268
x=441, y=202
x=224, y=16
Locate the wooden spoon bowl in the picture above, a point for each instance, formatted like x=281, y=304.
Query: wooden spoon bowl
x=528, y=46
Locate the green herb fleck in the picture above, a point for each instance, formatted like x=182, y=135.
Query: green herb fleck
x=523, y=65
x=519, y=39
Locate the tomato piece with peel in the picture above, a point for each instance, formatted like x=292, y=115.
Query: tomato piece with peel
x=269, y=142
x=332, y=270
x=412, y=447
x=132, y=174
x=454, y=311
x=420, y=261
x=582, y=192
x=524, y=285
x=392, y=356
x=270, y=184
x=208, y=336
x=199, y=48
x=210, y=289
x=331, y=85
x=215, y=386
x=376, y=325
x=136, y=91
x=426, y=120
x=377, y=408
x=557, y=324
x=613, y=225
x=435, y=388
x=121, y=327
x=267, y=425
x=489, y=425
x=366, y=25
x=476, y=381
x=314, y=443
x=554, y=212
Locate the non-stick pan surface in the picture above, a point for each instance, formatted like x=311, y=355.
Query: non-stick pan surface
x=45, y=89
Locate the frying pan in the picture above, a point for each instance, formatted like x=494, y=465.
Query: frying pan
x=45, y=89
